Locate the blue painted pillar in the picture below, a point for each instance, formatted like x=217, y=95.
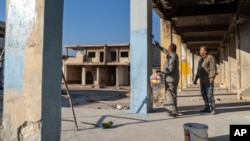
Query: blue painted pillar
x=32, y=83
x=141, y=59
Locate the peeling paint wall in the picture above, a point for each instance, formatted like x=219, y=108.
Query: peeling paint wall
x=244, y=32
x=141, y=63
x=32, y=70
x=233, y=63
x=24, y=105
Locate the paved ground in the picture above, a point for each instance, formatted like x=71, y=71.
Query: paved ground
x=157, y=125
x=94, y=106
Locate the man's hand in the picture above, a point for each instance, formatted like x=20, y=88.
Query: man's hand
x=211, y=80
x=195, y=79
x=156, y=43
x=194, y=82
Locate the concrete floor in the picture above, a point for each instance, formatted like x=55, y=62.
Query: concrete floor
x=157, y=126
x=94, y=106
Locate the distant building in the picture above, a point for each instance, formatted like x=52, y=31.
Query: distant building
x=98, y=65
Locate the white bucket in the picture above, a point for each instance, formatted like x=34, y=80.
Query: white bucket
x=156, y=80
x=195, y=132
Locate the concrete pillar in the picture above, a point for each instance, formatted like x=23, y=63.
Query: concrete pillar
x=244, y=51
x=178, y=43
x=117, y=76
x=32, y=84
x=105, y=58
x=233, y=63
x=238, y=58
x=118, y=54
x=98, y=76
x=85, y=55
x=165, y=28
x=83, y=76
x=226, y=67
x=184, y=65
x=141, y=63
x=189, y=67
x=222, y=68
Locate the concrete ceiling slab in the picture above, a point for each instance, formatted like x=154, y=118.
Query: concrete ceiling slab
x=201, y=22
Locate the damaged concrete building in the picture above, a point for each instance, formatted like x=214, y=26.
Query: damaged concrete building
x=222, y=25
x=98, y=65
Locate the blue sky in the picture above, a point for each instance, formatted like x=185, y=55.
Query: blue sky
x=96, y=21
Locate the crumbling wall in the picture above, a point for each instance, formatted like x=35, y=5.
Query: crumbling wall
x=245, y=94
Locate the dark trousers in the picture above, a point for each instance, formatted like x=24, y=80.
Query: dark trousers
x=207, y=93
x=171, y=97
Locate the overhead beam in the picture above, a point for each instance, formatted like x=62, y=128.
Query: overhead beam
x=198, y=48
x=243, y=7
x=203, y=42
x=163, y=3
x=204, y=38
x=159, y=8
x=208, y=44
x=199, y=28
x=197, y=10
x=211, y=51
x=214, y=52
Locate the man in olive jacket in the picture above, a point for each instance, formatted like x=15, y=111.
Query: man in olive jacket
x=171, y=71
x=206, y=72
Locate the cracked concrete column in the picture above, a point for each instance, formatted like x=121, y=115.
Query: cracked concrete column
x=117, y=81
x=189, y=65
x=184, y=65
x=32, y=84
x=98, y=76
x=226, y=67
x=141, y=62
x=83, y=76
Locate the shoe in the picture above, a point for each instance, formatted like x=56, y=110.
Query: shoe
x=205, y=110
x=174, y=114
x=213, y=112
x=168, y=111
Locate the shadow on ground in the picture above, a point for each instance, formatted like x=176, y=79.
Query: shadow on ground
x=219, y=138
x=105, y=98
x=220, y=108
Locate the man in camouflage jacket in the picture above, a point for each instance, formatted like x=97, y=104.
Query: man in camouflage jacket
x=206, y=72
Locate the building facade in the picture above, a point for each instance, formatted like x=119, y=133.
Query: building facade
x=98, y=65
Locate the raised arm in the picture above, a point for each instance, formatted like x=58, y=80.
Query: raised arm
x=162, y=49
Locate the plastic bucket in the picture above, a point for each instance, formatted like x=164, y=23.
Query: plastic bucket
x=156, y=81
x=195, y=132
